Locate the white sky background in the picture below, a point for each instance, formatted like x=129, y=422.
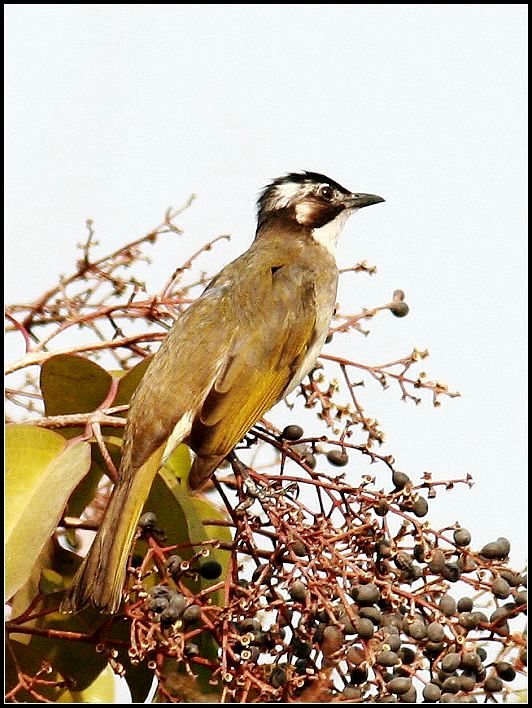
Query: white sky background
x=118, y=111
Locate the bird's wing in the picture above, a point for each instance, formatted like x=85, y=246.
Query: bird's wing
x=227, y=360
x=273, y=325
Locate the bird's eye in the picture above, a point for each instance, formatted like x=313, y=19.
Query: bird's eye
x=326, y=192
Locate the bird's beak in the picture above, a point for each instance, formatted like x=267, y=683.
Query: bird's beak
x=357, y=201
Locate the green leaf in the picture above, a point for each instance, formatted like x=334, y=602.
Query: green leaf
x=139, y=677
x=129, y=382
x=25, y=595
x=75, y=660
x=86, y=490
x=52, y=572
x=179, y=464
x=42, y=469
x=29, y=660
x=181, y=515
x=72, y=384
x=174, y=511
x=207, y=511
x=127, y=385
x=101, y=690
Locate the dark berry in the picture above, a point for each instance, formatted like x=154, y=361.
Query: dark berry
x=505, y=670
x=278, y=677
x=173, y=565
x=465, y=604
x=368, y=594
x=210, y=570
x=451, y=572
x=399, y=309
x=451, y=685
x=500, y=588
x=382, y=508
x=147, y=521
x=359, y=675
x=421, y=507
x=158, y=604
x=471, y=661
x=388, y=658
x=462, y=537
x=169, y=616
x=178, y=603
x=371, y=613
x=192, y=614
x=496, y=550
x=298, y=591
x=437, y=562
x=399, y=685
x=432, y=693
x=298, y=547
x=435, y=632
x=338, y=458
x=493, y=684
x=333, y=638
x=451, y=662
x=447, y=605
x=416, y=629
x=407, y=655
x=300, y=648
x=400, y=480
x=364, y=628
x=292, y=432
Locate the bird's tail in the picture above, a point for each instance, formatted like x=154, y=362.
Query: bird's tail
x=202, y=469
x=102, y=575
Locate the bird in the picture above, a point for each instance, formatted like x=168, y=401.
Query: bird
x=244, y=344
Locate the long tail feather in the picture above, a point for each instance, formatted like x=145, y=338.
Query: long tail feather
x=101, y=577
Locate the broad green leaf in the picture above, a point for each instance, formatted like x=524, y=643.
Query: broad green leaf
x=207, y=511
x=29, y=591
x=72, y=384
x=129, y=380
x=86, y=490
x=101, y=690
x=175, y=513
x=75, y=660
x=139, y=677
x=42, y=469
x=78, y=661
x=179, y=464
x=52, y=572
x=30, y=660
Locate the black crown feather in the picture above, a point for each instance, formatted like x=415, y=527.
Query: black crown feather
x=297, y=178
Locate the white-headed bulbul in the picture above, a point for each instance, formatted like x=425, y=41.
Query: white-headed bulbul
x=242, y=346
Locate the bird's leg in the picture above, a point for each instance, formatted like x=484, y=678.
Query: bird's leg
x=252, y=490
x=260, y=491
x=238, y=466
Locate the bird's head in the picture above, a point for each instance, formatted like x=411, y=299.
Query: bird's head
x=310, y=199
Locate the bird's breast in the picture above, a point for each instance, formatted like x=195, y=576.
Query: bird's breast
x=325, y=299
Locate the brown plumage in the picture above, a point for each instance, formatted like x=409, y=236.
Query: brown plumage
x=246, y=342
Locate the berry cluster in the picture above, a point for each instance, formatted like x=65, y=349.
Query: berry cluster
x=341, y=593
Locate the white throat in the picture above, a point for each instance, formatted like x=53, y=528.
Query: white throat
x=329, y=234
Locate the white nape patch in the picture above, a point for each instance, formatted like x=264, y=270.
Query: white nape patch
x=328, y=235
x=285, y=193
x=179, y=433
